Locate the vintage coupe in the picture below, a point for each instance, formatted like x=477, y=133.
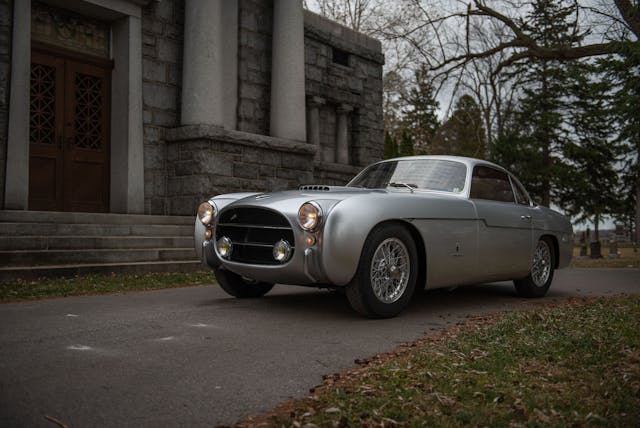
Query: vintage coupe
x=422, y=221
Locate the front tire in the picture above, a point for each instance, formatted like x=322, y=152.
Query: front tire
x=237, y=286
x=387, y=273
x=540, y=276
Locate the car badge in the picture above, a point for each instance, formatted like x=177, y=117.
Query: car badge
x=263, y=196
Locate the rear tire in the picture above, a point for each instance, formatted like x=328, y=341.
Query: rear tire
x=237, y=286
x=539, y=279
x=387, y=273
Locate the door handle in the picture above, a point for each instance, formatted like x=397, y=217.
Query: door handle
x=525, y=217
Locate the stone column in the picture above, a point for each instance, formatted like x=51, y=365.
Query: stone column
x=342, y=134
x=207, y=44
x=16, y=196
x=127, y=141
x=287, y=71
x=313, y=134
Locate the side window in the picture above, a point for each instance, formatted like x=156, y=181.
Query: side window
x=521, y=195
x=489, y=183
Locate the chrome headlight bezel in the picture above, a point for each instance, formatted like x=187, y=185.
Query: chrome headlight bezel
x=206, y=213
x=282, y=251
x=224, y=247
x=310, y=216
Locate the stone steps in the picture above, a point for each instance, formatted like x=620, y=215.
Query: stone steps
x=36, y=243
x=40, y=242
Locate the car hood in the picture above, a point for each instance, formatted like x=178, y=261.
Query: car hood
x=327, y=197
x=294, y=198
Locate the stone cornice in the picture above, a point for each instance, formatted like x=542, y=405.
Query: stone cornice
x=216, y=133
x=325, y=30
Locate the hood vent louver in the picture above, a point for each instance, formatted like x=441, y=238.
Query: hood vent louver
x=320, y=188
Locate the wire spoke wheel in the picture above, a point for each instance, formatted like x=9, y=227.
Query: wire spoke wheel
x=541, y=267
x=390, y=270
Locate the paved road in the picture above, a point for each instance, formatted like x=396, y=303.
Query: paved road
x=194, y=357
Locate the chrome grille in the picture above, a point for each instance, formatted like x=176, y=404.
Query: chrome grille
x=253, y=232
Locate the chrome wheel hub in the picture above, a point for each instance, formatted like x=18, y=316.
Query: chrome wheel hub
x=390, y=269
x=541, y=268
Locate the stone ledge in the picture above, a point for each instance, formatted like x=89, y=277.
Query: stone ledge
x=337, y=167
x=211, y=132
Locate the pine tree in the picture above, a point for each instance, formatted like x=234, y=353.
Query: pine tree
x=420, y=118
x=591, y=179
x=390, y=146
x=626, y=70
x=406, y=145
x=463, y=133
x=542, y=137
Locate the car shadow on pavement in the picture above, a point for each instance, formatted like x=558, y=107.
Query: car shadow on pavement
x=292, y=301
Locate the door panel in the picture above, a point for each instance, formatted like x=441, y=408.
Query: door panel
x=69, y=163
x=505, y=239
x=505, y=228
x=46, y=132
x=87, y=138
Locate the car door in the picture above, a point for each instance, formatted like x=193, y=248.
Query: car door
x=504, y=224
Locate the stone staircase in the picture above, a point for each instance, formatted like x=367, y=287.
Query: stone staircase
x=35, y=244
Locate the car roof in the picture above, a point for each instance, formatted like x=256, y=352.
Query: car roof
x=470, y=162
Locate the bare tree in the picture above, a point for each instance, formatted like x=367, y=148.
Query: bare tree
x=459, y=45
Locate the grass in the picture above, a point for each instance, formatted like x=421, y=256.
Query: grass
x=571, y=365
x=628, y=259
x=98, y=284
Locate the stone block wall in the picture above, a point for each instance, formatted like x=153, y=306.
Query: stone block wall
x=6, y=13
x=344, y=67
x=162, y=47
x=204, y=161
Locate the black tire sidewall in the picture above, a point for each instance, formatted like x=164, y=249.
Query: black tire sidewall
x=234, y=285
x=373, y=306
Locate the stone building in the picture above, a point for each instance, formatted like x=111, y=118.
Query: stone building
x=148, y=106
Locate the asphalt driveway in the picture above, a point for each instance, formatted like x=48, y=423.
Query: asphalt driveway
x=195, y=357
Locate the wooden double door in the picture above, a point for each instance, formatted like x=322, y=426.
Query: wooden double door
x=69, y=124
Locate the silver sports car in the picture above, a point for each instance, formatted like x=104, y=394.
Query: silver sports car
x=401, y=224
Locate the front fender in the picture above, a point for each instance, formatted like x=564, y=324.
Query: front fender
x=349, y=223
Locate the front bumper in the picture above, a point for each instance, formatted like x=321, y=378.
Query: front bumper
x=304, y=268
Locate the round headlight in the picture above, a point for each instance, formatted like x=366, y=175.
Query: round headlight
x=225, y=247
x=309, y=216
x=205, y=213
x=282, y=251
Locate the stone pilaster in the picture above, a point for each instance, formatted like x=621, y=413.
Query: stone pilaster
x=313, y=132
x=287, y=71
x=210, y=51
x=17, y=173
x=127, y=148
x=342, y=133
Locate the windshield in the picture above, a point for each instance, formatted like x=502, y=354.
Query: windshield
x=427, y=174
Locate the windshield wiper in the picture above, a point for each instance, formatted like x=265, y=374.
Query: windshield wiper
x=401, y=184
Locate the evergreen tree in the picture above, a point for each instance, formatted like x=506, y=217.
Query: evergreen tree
x=542, y=137
x=463, y=133
x=390, y=146
x=420, y=118
x=626, y=70
x=591, y=179
x=406, y=145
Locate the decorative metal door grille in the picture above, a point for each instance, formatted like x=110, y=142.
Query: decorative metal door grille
x=88, y=112
x=43, y=104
